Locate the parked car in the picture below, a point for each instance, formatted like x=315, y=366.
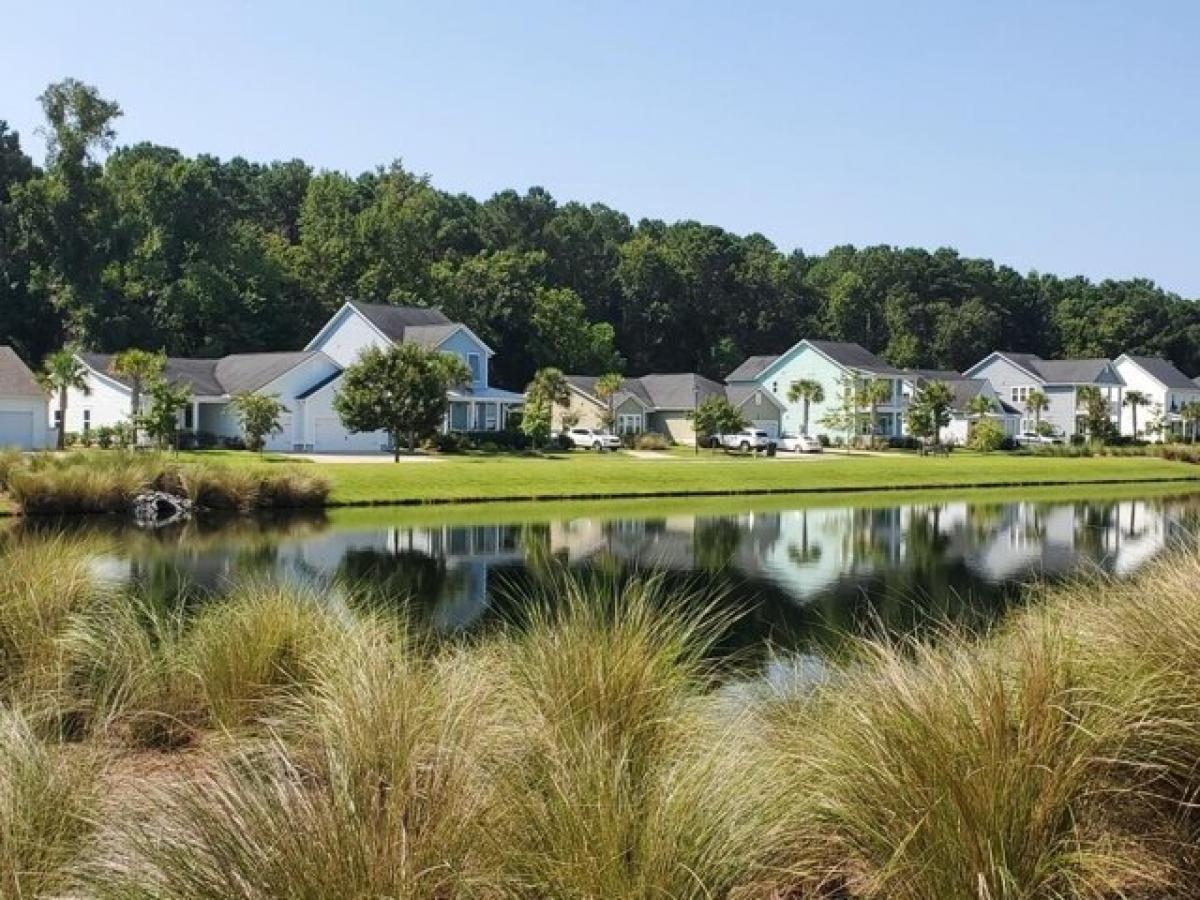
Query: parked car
x=746, y=439
x=799, y=443
x=593, y=439
x=1033, y=437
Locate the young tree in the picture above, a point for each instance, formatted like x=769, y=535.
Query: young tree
x=715, y=415
x=1037, y=403
x=400, y=390
x=1097, y=419
x=548, y=387
x=61, y=371
x=160, y=419
x=606, y=389
x=141, y=367
x=978, y=408
x=1190, y=414
x=806, y=391
x=845, y=416
x=259, y=416
x=1135, y=399
x=929, y=410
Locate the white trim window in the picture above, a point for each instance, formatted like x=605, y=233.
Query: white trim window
x=629, y=423
x=475, y=364
x=1020, y=393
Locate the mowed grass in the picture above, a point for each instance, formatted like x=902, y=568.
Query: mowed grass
x=580, y=475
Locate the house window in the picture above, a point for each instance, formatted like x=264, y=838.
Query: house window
x=58, y=418
x=489, y=417
x=1020, y=394
x=629, y=423
x=189, y=417
x=459, y=417
x=774, y=387
x=476, y=367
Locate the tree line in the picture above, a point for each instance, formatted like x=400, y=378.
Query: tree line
x=144, y=246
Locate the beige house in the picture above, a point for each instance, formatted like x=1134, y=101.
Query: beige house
x=662, y=403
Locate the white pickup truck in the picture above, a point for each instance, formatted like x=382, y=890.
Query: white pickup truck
x=744, y=440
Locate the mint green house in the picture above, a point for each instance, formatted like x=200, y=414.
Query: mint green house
x=831, y=364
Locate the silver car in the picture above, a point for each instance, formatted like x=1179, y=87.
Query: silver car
x=799, y=443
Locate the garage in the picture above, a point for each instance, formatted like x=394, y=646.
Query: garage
x=770, y=426
x=16, y=429
x=329, y=436
x=24, y=408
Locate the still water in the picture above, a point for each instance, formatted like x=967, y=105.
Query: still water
x=800, y=572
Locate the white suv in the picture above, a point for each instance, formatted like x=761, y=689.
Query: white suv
x=746, y=439
x=593, y=439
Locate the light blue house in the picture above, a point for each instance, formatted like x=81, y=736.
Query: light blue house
x=832, y=364
x=1015, y=375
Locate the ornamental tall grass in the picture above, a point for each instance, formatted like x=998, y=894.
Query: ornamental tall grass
x=49, y=806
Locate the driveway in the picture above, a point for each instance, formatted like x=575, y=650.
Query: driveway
x=370, y=458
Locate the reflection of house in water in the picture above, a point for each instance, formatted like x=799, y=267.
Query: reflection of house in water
x=805, y=555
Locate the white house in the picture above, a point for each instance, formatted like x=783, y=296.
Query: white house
x=964, y=390
x=306, y=382
x=1167, y=390
x=829, y=363
x=1014, y=376
x=24, y=406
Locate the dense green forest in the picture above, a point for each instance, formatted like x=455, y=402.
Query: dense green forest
x=144, y=246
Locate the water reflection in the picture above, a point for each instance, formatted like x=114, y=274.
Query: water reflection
x=799, y=572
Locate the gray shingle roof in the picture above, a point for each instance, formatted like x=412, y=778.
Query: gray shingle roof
x=663, y=390
x=16, y=380
x=1163, y=371
x=934, y=374
x=855, y=356
x=394, y=321
x=1059, y=371
x=216, y=377
x=751, y=368
x=738, y=394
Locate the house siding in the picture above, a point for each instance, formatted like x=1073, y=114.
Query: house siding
x=108, y=401
x=347, y=337
x=463, y=345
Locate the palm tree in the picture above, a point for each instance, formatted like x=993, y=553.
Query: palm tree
x=873, y=392
x=606, y=389
x=62, y=371
x=1037, y=403
x=140, y=367
x=806, y=391
x=1134, y=399
x=979, y=406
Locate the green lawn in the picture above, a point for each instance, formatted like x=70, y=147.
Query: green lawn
x=581, y=475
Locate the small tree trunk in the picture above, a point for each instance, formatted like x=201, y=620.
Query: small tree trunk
x=62, y=418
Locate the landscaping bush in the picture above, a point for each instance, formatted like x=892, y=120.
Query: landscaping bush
x=987, y=435
x=651, y=440
x=904, y=442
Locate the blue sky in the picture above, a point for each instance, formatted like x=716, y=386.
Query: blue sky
x=1061, y=136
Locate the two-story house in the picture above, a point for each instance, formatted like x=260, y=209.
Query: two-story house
x=305, y=381
x=833, y=365
x=964, y=392
x=1167, y=391
x=1014, y=376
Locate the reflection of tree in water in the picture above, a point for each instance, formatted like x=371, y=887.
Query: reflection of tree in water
x=715, y=542
x=401, y=580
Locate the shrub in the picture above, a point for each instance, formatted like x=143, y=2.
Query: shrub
x=76, y=489
x=49, y=804
x=651, y=440
x=904, y=442
x=986, y=435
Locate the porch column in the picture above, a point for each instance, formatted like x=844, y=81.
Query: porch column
x=195, y=417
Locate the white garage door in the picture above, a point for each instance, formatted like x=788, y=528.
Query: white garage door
x=332, y=437
x=16, y=429
x=771, y=427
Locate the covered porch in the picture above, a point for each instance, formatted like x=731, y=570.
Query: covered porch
x=484, y=410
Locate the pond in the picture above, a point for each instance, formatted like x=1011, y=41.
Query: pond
x=800, y=572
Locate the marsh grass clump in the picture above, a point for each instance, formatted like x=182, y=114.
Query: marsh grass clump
x=611, y=791
x=11, y=461
x=381, y=790
x=78, y=489
x=44, y=582
x=162, y=675
x=49, y=805
x=954, y=771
